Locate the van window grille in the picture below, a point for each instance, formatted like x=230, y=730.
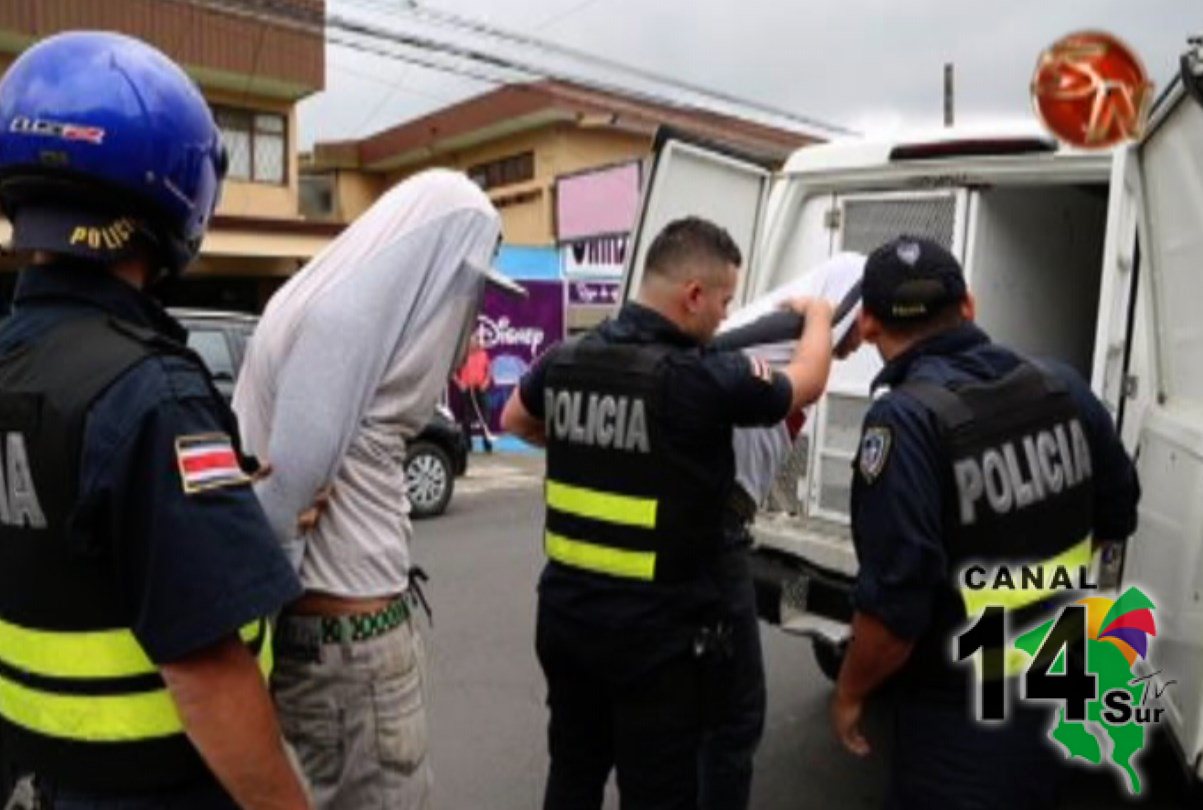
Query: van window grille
x=869, y=223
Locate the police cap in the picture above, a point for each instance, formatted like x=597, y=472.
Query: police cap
x=910, y=279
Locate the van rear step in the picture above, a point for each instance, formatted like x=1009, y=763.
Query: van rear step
x=787, y=586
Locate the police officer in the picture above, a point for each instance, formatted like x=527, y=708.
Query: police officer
x=136, y=566
x=973, y=454
x=637, y=419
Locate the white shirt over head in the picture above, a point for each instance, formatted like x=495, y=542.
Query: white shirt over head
x=760, y=451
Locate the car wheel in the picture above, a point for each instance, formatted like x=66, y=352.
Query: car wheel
x=429, y=479
x=829, y=657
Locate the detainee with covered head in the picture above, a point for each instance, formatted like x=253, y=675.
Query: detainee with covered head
x=348, y=362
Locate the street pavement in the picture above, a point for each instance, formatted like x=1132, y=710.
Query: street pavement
x=487, y=717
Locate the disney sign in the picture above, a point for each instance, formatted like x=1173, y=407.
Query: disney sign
x=502, y=333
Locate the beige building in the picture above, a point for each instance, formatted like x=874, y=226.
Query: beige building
x=516, y=142
x=564, y=165
x=253, y=64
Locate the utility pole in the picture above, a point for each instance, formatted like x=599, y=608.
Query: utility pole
x=948, y=95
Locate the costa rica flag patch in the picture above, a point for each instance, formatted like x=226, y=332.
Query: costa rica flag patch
x=208, y=461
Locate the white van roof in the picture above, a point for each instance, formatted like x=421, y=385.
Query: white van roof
x=850, y=154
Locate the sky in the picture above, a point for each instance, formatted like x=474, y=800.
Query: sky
x=872, y=66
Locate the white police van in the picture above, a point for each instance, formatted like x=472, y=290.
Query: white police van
x=1094, y=258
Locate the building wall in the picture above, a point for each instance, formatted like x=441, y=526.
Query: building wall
x=576, y=149
x=276, y=47
x=355, y=191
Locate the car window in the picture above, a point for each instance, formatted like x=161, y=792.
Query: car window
x=211, y=345
x=242, y=342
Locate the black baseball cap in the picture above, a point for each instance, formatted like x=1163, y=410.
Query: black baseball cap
x=910, y=279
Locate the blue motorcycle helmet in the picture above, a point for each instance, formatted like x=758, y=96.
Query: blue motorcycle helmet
x=107, y=146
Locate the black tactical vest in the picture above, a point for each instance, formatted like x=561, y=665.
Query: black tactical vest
x=80, y=703
x=623, y=499
x=1019, y=492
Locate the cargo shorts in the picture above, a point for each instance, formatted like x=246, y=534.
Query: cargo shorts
x=355, y=715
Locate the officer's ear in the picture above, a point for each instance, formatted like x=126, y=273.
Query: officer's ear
x=694, y=294
x=969, y=308
x=869, y=327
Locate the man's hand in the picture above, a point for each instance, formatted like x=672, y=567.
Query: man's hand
x=307, y=521
x=846, y=715
x=874, y=654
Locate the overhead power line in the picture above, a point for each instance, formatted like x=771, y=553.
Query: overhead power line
x=348, y=32
x=459, y=22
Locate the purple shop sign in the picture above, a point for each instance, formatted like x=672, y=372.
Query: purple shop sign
x=514, y=331
x=596, y=293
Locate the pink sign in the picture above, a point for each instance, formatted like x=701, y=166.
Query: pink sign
x=597, y=203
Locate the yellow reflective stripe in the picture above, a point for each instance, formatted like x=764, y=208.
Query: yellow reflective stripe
x=100, y=718
x=90, y=718
x=266, y=658
x=93, y=654
x=601, y=559
x=605, y=506
x=1014, y=599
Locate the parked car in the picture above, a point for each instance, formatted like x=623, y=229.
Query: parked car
x=433, y=459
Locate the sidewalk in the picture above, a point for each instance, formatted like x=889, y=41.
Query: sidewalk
x=503, y=443
x=502, y=470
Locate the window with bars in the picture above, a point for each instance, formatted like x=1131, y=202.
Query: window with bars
x=257, y=144
x=505, y=171
x=870, y=223
x=316, y=196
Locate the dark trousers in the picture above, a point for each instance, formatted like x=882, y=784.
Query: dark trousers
x=205, y=796
x=943, y=758
x=739, y=694
x=479, y=411
x=645, y=723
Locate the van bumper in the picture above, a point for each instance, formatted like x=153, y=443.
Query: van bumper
x=800, y=598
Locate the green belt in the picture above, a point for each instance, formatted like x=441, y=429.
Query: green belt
x=364, y=626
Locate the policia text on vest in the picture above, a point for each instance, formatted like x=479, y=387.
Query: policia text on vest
x=1056, y=459
x=19, y=504
x=603, y=421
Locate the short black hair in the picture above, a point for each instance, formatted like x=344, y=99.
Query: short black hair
x=690, y=238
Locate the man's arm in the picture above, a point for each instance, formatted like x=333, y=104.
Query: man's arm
x=897, y=529
x=228, y=714
x=873, y=656
x=523, y=413
x=516, y=419
x=193, y=565
x=811, y=364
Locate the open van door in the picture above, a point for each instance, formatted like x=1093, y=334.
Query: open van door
x=1162, y=395
x=690, y=176
x=1111, y=374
